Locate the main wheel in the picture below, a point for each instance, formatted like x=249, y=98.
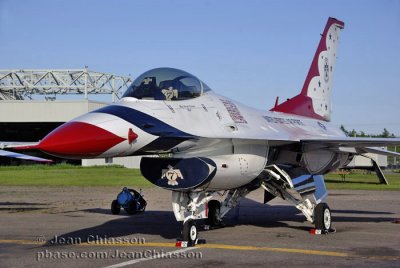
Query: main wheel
x=214, y=208
x=132, y=207
x=115, y=208
x=189, y=231
x=322, y=217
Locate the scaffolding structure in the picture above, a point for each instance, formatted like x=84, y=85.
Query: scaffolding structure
x=24, y=84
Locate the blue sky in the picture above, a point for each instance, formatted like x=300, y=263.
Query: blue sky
x=251, y=51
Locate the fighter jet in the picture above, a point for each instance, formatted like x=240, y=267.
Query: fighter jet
x=213, y=150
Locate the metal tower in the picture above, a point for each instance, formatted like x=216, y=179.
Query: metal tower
x=22, y=84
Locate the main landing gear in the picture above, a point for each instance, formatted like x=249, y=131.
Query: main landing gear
x=305, y=193
x=322, y=218
x=214, y=214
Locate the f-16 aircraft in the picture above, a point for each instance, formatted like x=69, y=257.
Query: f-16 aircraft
x=215, y=150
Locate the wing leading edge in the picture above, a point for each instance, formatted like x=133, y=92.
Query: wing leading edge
x=355, y=145
x=24, y=156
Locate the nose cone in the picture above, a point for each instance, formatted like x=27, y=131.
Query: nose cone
x=78, y=140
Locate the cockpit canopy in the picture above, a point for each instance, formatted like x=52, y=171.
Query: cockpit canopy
x=166, y=84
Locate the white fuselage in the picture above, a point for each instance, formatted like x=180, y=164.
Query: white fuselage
x=232, y=134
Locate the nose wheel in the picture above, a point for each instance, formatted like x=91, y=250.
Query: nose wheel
x=189, y=232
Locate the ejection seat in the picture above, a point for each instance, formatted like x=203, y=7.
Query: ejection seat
x=148, y=89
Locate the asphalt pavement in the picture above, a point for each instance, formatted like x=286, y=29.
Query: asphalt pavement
x=73, y=226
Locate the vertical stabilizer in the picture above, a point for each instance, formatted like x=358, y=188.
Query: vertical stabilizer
x=314, y=99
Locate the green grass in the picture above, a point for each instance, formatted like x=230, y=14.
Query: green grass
x=359, y=181
x=68, y=175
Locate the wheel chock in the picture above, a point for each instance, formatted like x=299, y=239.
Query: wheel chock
x=182, y=244
x=319, y=231
x=315, y=231
x=186, y=244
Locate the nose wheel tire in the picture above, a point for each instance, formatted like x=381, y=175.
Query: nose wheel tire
x=189, y=231
x=322, y=217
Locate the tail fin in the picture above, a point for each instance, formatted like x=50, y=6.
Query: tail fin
x=314, y=99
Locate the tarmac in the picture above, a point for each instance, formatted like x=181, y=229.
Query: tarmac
x=73, y=226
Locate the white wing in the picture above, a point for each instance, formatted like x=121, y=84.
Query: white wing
x=354, y=145
x=24, y=156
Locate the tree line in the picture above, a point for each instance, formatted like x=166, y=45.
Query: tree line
x=354, y=133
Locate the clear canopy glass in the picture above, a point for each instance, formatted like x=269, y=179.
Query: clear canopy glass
x=166, y=84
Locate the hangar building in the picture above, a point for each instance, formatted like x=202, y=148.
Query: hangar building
x=34, y=102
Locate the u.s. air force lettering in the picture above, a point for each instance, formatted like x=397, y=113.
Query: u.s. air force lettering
x=172, y=175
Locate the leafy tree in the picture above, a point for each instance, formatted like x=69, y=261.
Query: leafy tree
x=386, y=133
x=353, y=133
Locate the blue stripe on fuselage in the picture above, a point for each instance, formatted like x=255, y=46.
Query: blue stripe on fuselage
x=144, y=121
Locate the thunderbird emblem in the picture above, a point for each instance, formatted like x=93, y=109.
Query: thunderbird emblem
x=172, y=175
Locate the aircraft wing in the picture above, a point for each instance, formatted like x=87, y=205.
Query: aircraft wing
x=355, y=145
x=20, y=145
x=24, y=156
x=378, y=151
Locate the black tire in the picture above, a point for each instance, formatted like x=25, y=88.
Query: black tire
x=115, y=207
x=142, y=204
x=143, y=208
x=132, y=206
x=189, y=231
x=214, y=208
x=322, y=217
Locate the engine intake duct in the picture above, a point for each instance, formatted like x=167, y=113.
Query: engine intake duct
x=178, y=173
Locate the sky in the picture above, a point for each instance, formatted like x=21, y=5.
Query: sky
x=251, y=51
